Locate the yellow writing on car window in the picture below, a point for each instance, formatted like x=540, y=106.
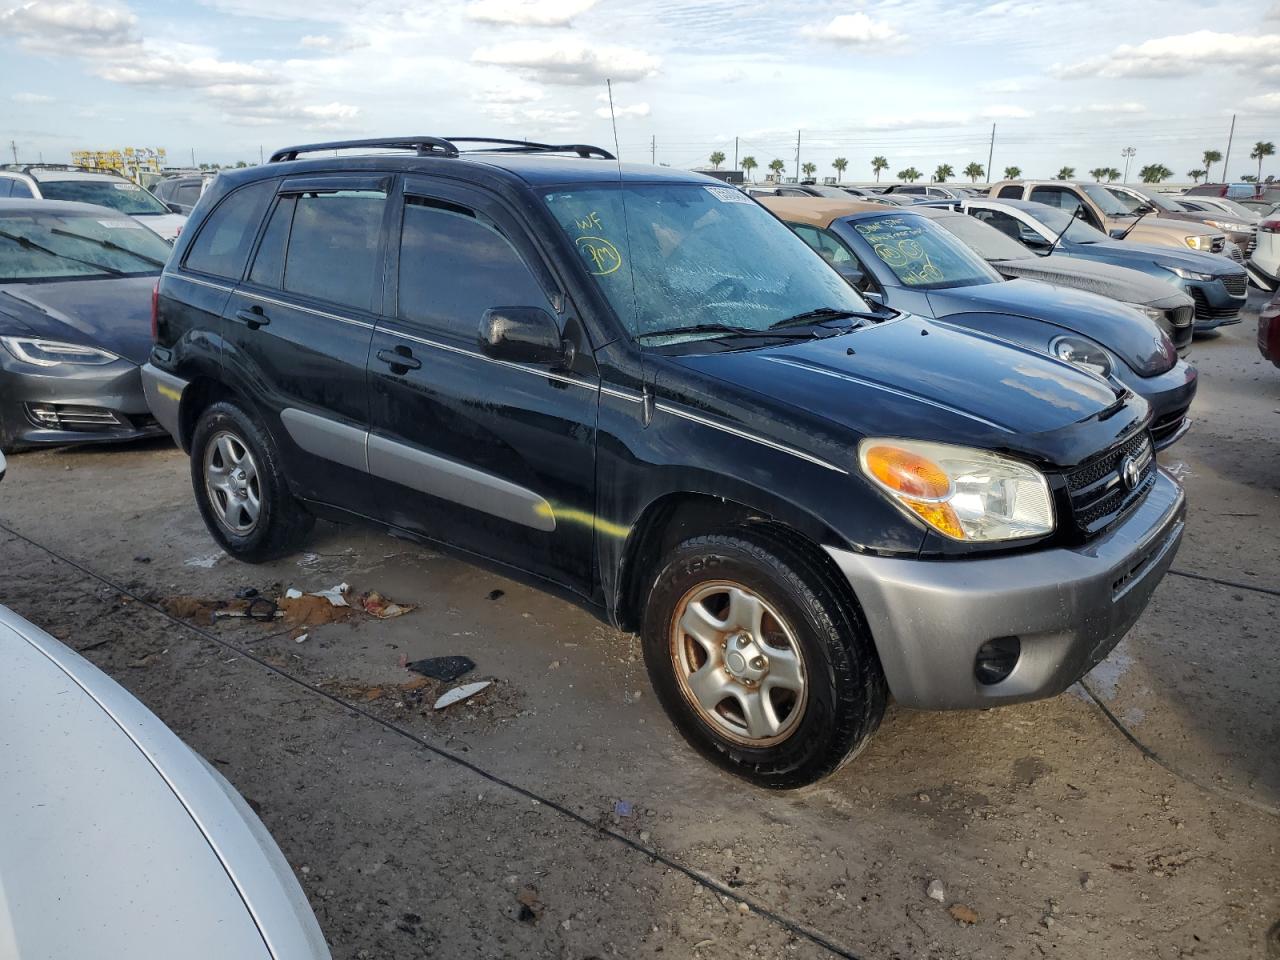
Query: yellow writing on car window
x=590, y=222
x=602, y=256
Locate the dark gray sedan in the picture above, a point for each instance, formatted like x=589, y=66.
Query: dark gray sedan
x=75, y=323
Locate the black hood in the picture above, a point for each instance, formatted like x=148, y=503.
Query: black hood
x=913, y=378
x=113, y=313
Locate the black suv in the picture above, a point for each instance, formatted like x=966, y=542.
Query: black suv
x=634, y=386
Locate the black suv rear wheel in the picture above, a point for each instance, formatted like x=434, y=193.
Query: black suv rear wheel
x=242, y=495
x=760, y=661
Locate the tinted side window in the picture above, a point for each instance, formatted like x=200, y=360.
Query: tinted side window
x=1056, y=197
x=335, y=245
x=5, y=186
x=186, y=193
x=268, y=265
x=455, y=265
x=827, y=244
x=1009, y=226
x=222, y=245
x=1011, y=192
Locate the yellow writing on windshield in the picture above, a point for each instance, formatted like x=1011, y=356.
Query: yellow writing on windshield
x=602, y=256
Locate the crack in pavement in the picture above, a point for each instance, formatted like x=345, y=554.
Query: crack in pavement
x=715, y=886
x=1268, y=591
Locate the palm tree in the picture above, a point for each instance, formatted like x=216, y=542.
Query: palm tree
x=717, y=158
x=1210, y=158
x=777, y=166
x=1098, y=173
x=1112, y=174
x=942, y=171
x=809, y=169
x=974, y=170
x=749, y=164
x=878, y=164
x=1263, y=148
x=1012, y=173
x=1155, y=173
x=911, y=174
x=840, y=164
x=1066, y=173
x=1195, y=175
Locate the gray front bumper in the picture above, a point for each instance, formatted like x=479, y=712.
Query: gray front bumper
x=164, y=397
x=1069, y=608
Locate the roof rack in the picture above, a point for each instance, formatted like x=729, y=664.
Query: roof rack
x=584, y=150
x=26, y=167
x=444, y=147
x=420, y=145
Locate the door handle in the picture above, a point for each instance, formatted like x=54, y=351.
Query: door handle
x=401, y=359
x=253, y=317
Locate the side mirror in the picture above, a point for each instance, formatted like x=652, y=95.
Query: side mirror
x=524, y=335
x=174, y=207
x=1117, y=233
x=1146, y=208
x=873, y=297
x=852, y=274
x=1035, y=241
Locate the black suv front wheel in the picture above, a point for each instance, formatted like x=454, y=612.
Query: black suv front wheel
x=759, y=658
x=242, y=495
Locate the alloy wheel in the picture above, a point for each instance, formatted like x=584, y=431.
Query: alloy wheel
x=231, y=478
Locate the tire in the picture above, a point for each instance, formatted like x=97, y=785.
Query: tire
x=251, y=513
x=809, y=656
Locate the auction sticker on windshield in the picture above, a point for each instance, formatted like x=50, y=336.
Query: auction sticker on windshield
x=122, y=224
x=728, y=195
x=131, y=187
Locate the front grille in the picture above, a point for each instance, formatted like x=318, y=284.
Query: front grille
x=1098, y=491
x=1251, y=244
x=59, y=416
x=1236, y=253
x=1236, y=286
x=1182, y=325
x=1206, y=312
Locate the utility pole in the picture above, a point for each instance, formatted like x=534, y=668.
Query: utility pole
x=653, y=149
x=1226, y=177
x=13, y=145
x=797, y=156
x=193, y=156
x=1127, y=153
x=260, y=160
x=735, y=153
x=991, y=153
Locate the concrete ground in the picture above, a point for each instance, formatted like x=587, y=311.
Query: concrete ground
x=558, y=814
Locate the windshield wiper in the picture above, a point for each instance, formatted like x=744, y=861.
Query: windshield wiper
x=724, y=329
x=108, y=245
x=820, y=315
x=27, y=243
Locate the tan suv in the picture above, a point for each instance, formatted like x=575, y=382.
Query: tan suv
x=1098, y=206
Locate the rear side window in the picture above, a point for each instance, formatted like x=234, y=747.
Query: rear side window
x=1056, y=197
x=335, y=244
x=1011, y=192
x=187, y=193
x=827, y=245
x=268, y=265
x=222, y=245
x=455, y=265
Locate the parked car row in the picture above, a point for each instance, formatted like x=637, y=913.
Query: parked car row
x=104, y=188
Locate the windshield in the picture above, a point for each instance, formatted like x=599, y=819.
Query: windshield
x=985, y=240
x=1230, y=206
x=52, y=247
x=923, y=255
x=694, y=255
x=109, y=192
x=1133, y=199
x=1078, y=231
x=1107, y=201
x=834, y=192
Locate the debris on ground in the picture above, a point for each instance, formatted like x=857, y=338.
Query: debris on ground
x=301, y=638
x=446, y=669
x=256, y=608
x=497, y=594
x=458, y=694
x=623, y=808
x=530, y=906
x=936, y=891
x=336, y=595
x=206, y=563
x=190, y=608
x=963, y=914
x=309, y=610
x=376, y=605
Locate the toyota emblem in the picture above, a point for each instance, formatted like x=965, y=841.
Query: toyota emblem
x=1130, y=473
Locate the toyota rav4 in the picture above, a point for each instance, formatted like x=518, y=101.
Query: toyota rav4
x=635, y=387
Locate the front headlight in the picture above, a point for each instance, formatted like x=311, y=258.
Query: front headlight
x=51, y=353
x=1083, y=353
x=962, y=493
x=1230, y=226
x=1155, y=313
x=1190, y=274
x=1200, y=242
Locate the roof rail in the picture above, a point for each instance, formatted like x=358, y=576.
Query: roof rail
x=420, y=145
x=584, y=150
x=25, y=167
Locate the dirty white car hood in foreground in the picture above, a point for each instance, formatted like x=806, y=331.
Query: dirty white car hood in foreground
x=116, y=839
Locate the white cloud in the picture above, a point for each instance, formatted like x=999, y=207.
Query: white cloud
x=533, y=121
x=1005, y=111
x=570, y=61
x=323, y=42
x=31, y=98
x=55, y=24
x=633, y=111
x=528, y=13
x=1266, y=103
x=173, y=70
x=1273, y=13
x=854, y=29
x=1176, y=55
x=315, y=42
x=324, y=116
x=1107, y=108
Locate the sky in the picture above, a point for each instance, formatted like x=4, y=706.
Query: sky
x=918, y=81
